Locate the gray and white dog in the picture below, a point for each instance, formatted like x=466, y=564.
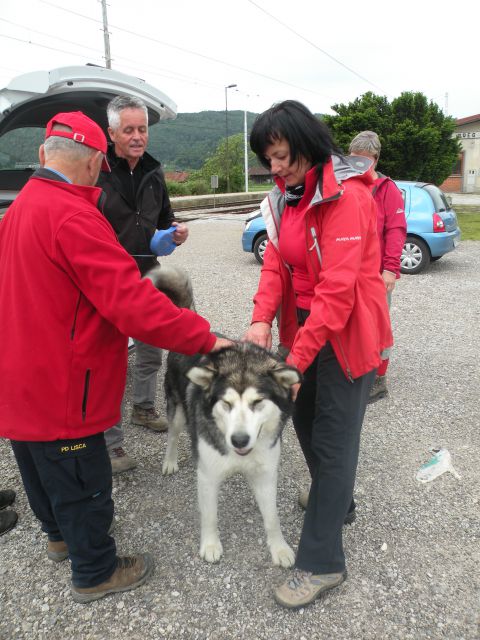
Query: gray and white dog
x=235, y=403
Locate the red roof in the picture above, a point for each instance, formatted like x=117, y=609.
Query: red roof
x=468, y=119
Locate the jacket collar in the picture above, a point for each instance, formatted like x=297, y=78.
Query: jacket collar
x=332, y=174
x=147, y=162
x=94, y=195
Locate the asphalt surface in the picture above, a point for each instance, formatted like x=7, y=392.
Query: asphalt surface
x=412, y=555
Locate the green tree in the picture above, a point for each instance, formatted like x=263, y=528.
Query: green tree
x=217, y=164
x=417, y=138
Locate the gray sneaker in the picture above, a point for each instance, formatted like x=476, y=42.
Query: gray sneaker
x=149, y=418
x=379, y=389
x=121, y=461
x=303, y=588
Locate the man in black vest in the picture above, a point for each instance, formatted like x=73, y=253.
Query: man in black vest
x=137, y=204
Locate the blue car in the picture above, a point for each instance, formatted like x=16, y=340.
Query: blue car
x=432, y=228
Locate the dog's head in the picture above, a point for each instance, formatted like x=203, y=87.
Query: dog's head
x=247, y=391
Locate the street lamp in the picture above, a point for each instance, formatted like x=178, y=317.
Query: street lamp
x=230, y=86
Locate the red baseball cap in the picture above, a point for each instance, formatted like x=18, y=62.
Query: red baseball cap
x=83, y=130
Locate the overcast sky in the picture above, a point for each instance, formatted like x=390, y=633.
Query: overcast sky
x=321, y=53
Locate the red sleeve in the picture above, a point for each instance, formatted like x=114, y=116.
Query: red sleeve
x=269, y=293
x=395, y=227
x=88, y=250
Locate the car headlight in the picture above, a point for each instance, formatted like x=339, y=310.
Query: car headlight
x=248, y=224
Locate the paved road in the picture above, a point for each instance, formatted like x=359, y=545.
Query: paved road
x=413, y=554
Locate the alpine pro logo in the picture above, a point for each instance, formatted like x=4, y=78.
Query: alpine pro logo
x=348, y=239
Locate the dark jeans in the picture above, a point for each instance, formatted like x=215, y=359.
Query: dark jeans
x=69, y=488
x=328, y=418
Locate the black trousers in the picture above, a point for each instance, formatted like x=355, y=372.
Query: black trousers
x=69, y=487
x=328, y=418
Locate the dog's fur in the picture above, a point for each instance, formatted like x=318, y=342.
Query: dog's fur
x=235, y=403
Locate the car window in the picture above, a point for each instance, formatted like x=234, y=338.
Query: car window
x=19, y=148
x=439, y=200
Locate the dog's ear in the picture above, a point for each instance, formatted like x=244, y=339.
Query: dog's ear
x=285, y=376
x=202, y=376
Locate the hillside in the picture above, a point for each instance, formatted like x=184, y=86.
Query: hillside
x=184, y=143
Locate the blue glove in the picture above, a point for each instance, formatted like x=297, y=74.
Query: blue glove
x=162, y=243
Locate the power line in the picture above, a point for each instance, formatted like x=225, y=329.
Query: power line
x=96, y=51
x=43, y=46
x=190, y=52
x=299, y=35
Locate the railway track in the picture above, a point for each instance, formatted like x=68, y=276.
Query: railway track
x=192, y=213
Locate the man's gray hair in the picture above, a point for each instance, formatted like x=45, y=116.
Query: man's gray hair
x=66, y=146
x=366, y=141
x=118, y=104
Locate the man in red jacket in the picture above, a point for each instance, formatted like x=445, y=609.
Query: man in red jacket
x=69, y=297
x=391, y=230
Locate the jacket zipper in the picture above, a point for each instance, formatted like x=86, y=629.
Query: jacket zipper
x=347, y=366
x=315, y=245
x=74, y=324
x=85, y=394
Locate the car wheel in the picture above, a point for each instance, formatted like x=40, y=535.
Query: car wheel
x=415, y=255
x=260, y=246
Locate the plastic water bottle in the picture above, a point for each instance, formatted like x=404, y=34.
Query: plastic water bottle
x=438, y=464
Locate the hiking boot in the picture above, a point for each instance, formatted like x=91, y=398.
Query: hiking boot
x=8, y=519
x=131, y=572
x=7, y=497
x=303, y=501
x=57, y=550
x=148, y=418
x=304, y=588
x=120, y=460
x=379, y=389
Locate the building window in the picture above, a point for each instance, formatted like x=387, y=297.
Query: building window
x=458, y=166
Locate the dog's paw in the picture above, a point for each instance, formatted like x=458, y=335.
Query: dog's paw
x=169, y=467
x=282, y=555
x=211, y=551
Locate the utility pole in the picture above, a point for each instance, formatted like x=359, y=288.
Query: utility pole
x=106, y=36
x=446, y=104
x=230, y=86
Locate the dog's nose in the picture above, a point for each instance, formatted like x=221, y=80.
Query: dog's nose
x=240, y=440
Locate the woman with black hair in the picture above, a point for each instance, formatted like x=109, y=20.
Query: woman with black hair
x=321, y=279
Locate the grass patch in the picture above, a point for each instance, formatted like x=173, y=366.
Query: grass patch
x=469, y=223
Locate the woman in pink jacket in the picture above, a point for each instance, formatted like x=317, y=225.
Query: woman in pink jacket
x=391, y=229
x=320, y=279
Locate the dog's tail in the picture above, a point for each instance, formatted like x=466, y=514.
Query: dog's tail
x=173, y=282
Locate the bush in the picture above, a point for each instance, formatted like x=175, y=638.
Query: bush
x=176, y=188
x=197, y=188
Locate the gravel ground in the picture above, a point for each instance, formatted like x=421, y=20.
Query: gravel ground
x=412, y=555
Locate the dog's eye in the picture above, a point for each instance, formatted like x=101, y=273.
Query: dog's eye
x=226, y=405
x=257, y=404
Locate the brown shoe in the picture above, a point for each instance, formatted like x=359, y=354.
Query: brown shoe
x=121, y=461
x=131, y=572
x=57, y=550
x=149, y=418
